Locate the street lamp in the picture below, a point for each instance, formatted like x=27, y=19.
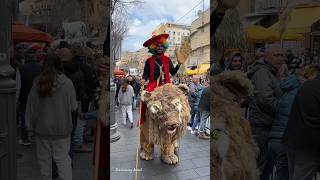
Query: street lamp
x=110, y=51
x=8, y=123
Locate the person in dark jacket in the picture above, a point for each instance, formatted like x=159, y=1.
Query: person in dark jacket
x=197, y=115
x=278, y=151
x=264, y=102
x=28, y=72
x=204, y=109
x=194, y=87
x=303, y=132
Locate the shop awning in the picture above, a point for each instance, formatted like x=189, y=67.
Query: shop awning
x=119, y=72
x=22, y=33
x=202, y=69
x=259, y=34
x=300, y=20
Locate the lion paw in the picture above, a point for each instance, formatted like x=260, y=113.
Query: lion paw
x=170, y=159
x=146, y=156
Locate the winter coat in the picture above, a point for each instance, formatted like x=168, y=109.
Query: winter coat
x=303, y=131
x=192, y=95
x=198, y=96
x=264, y=102
x=204, y=104
x=51, y=116
x=126, y=98
x=290, y=87
x=28, y=72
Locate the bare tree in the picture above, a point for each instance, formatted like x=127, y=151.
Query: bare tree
x=123, y=5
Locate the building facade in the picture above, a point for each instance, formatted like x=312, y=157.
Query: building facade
x=200, y=39
x=176, y=32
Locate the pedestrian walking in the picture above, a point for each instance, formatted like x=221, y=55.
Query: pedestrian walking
x=27, y=73
x=125, y=98
x=204, y=109
x=50, y=109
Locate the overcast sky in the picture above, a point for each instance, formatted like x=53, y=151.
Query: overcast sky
x=144, y=18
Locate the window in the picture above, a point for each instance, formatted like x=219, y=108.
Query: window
x=169, y=32
x=174, y=39
x=174, y=32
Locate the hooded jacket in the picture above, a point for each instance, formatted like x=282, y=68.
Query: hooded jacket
x=290, y=87
x=126, y=98
x=264, y=102
x=51, y=116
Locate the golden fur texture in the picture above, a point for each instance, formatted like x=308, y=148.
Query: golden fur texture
x=167, y=107
x=237, y=160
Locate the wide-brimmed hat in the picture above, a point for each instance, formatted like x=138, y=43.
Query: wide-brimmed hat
x=155, y=39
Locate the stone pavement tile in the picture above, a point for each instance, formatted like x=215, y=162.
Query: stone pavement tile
x=192, y=155
x=122, y=158
x=122, y=175
x=202, y=178
x=203, y=171
x=183, y=165
x=186, y=175
x=201, y=162
x=168, y=176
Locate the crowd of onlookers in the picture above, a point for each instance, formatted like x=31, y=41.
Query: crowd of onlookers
x=57, y=93
x=283, y=110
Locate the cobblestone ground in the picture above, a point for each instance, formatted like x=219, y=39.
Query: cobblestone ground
x=194, y=154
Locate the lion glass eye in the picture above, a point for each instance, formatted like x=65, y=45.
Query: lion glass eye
x=177, y=104
x=155, y=108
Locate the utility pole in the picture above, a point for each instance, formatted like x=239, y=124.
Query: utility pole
x=8, y=123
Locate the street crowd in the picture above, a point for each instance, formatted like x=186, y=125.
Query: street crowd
x=283, y=111
x=57, y=93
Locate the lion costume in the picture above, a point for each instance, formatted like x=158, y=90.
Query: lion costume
x=167, y=115
x=234, y=151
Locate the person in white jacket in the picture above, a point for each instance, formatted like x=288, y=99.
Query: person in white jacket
x=125, y=99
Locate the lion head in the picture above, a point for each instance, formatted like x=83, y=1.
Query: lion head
x=167, y=112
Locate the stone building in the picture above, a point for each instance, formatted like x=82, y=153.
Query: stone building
x=200, y=39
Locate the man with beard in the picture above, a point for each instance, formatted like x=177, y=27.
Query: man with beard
x=159, y=67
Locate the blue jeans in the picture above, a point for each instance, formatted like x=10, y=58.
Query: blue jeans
x=193, y=113
x=264, y=161
x=196, y=119
x=278, y=154
x=204, y=115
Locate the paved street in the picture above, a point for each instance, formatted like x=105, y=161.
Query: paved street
x=28, y=168
x=194, y=154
